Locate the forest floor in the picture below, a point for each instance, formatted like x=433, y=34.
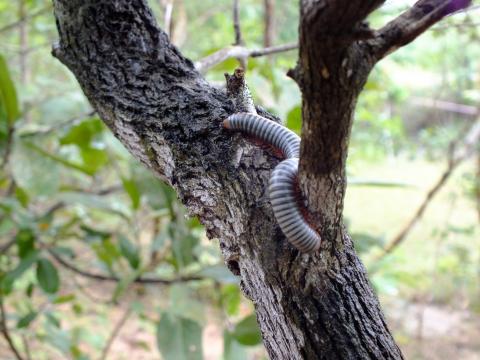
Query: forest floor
x=433, y=332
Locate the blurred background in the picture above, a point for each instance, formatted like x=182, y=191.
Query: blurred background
x=99, y=261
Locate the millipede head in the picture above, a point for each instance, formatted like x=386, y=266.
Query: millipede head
x=226, y=124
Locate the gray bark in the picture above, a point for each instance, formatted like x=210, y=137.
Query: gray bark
x=318, y=306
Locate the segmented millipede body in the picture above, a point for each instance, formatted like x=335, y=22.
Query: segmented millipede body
x=281, y=188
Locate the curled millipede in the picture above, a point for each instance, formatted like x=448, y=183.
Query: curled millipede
x=281, y=189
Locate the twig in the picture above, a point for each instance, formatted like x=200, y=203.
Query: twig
x=446, y=106
x=8, y=146
x=412, y=23
x=238, y=32
x=24, y=18
x=115, y=332
x=455, y=159
x=477, y=185
x=93, y=298
x=167, y=18
x=23, y=37
x=27, y=347
x=273, y=49
x=236, y=23
x=269, y=18
x=102, y=277
x=4, y=248
x=5, y=332
x=29, y=50
x=60, y=205
x=203, y=65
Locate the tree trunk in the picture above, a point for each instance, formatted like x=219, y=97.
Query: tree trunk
x=318, y=306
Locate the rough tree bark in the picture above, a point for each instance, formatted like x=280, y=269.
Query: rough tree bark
x=318, y=306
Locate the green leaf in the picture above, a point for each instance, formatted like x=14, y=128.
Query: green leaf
x=246, y=332
x=64, y=299
x=93, y=159
x=8, y=94
x=79, y=167
x=52, y=319
x=183, y=247
x=77, y=309
x=129, y=251
x=132, y=190
x=294, y=119
x=92, y=234
x=22, y=196
x=106, y=251
x=160, y=240
x=231, y=298
x=15, y=274
x=25, y=321
x=29, y=290
x=47, y=276
x=25, y=239
x=83, y=134
x=183, y=302
x=179, y=339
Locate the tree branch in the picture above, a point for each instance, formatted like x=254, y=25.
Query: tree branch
x=470, y=141
x=477, y=185
x=102, y=277
x=413, y=22
x=269, y=19
x=25, y=18
x=239, y=52
x=8, y=146
x=115, y=332
x=5, y=332
x=167, y=18
x=236, y=23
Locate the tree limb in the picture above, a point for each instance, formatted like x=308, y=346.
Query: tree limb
x=25, y=18
x=269, y=20
x=236, y=23
x=239, y=52
x=5, y=332
x=116, y=330
x=477, y=185
x=458, y=155
x=412, y=23
x=167, y=18
x=102, y=277
x=8, y=146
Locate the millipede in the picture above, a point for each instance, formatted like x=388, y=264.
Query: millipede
x=282, y=184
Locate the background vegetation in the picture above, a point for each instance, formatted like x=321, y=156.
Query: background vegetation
x=99, y=260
